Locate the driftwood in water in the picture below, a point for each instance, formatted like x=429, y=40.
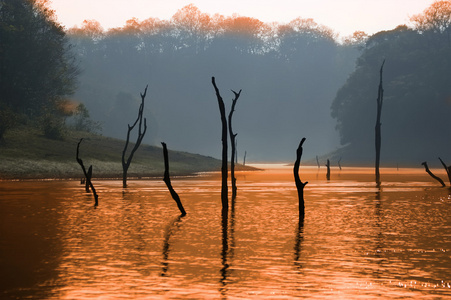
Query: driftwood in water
x=141, y=132
x=328, y=170
x=88, y=178
x=224, y=168
x=299, y=184
x=432, y=175
x=447, y=169
x=233, y=145
x=380, y=100
x=167, y=180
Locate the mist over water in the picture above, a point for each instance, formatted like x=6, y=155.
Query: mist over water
x=356, y=240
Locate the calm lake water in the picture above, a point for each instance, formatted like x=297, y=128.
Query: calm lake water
x=357, y=241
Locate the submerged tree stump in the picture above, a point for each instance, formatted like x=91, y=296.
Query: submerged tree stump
x=447, y=169
x=88, y=177
x=328, y=170
x=233, y=145
x=380, y=100
x=141, y=132
x=224, y=167
x=299, y=184
x=432, y=175
x=167, y=180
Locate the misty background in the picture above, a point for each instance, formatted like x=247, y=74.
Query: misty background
x=298, y=80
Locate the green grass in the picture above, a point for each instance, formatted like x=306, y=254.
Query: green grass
x=27, y=154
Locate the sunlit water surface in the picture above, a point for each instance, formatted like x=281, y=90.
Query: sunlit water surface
x=357, y=240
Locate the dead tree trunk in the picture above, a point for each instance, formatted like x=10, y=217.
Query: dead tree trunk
x=380, y=100
x=141, y=132
x=299, y=184
x=328, y=170
x=432, y=175
x=167, y=180
x=88, y=178
x=244, y=159
x=233, y=145
x=447, y=169
x=224, y=168
x=339, y=163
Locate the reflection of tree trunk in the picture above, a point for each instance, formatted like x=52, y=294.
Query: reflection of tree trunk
x=167, y=180
x=175, y=224
x=224, y=168
x=233, y=144
x=432, y=175
x=380, y=100
x=328, y=170
x=88, y=178
x=224, y=252
x=298, y=243
x=447, y=169
x=299, y=184
x=141, y=133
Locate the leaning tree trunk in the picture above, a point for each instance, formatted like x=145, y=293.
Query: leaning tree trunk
x=87, y=176
x=447, y=169
x=299, y=184
x=233, y=145
x=167, y=180
x=380, y=100
x=431, y=174
x=224, y=168
x=141, y=132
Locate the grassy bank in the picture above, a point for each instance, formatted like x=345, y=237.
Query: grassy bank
x=27, y=154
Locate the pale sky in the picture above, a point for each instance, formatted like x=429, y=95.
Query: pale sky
x=343, y=16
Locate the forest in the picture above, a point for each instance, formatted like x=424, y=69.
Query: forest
x=298, y=79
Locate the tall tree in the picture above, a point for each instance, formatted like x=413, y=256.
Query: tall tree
x=37, y=68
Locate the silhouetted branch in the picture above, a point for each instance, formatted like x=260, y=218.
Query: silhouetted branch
x=126, y=162
x=380, y=100
x=447, y=169
x=432, y=175
x=167, y=180
x=233, y=145
x=88, y=178
x=224, y=168
x=299, y=184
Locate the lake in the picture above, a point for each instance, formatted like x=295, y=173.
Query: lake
x=356, y=241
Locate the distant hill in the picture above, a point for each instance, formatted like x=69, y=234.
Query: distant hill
x=27, y=154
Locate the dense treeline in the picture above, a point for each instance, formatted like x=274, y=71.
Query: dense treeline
x=37, y=69
x=416, y=122
x=290, y=73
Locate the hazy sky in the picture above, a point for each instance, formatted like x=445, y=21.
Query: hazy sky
x=344, y=16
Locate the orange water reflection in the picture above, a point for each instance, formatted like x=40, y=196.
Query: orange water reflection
x=356, y=240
